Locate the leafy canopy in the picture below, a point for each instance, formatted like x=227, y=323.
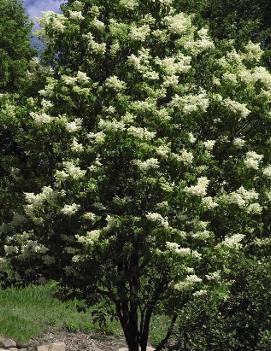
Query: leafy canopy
x=155, y=151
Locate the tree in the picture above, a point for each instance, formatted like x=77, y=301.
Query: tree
x=158, y=159
x=239, y=20
x=15, y=59
x=15, y=44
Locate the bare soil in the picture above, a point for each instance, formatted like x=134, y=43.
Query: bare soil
x=81, y=341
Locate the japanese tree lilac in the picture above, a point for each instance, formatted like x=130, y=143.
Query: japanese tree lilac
x=152, y=171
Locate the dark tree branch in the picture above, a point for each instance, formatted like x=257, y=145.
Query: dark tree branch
x=163, y=343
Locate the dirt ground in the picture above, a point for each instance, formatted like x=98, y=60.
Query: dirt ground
x=81, y=341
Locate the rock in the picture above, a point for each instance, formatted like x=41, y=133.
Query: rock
x=13, y=349
x=43, y=348
x=3, y=349
x=58, y=346
x=149, y=348
x=7, y=343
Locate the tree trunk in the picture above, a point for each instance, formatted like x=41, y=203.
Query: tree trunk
x=130, y=329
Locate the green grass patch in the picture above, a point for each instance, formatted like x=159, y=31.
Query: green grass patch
x=28, y=312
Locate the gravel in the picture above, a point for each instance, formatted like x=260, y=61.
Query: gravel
x=81, y=341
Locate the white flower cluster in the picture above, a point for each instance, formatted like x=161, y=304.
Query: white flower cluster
x=163, y=151
x=94, y=46
x=55, y=20
x=200, y=293
x=41, y=118
x=129, y=4
x=200, y=189
x=182, y=251
x=230, y=77
x=236, y=107
x=254, y=208
x=188, y=283
x=191, y=103
x=32, y=246
x=35, y=202
x=68, y=80
x=81, y=78
x=111, y=126
x=49, y=88
x=232, y=58
x=115, y=83
x=74, y=126
x=98, y=138
x=76, y=15
x=76, y=147
x=69, y=210
x=140, y=62
x=180, y=23
x=253, y=51
x=90, y=216
x=165, y=2
x=151, y=163
x=267, y=171
x=209, y=144
x=209, y=202
x=242, y=197
x=140, y=33
x=202, y=235
x=215, y=276
x=157, y=218
x=70, y=170
x=98, y=24
x=112, y=223
x=263, y=75
x=47, y=193
x=239, y=142
x=185, y=156
x=141, y=133
x=90, y=238
x=202, y=44
x=191, y=138
x=11, y=250
x=174, y=65
x=46, y=105
x=253, y=160
x=233, y=241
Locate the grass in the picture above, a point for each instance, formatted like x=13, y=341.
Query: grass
x=31, y=311
x=28, y=312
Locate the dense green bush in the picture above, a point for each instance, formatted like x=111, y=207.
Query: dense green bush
x=242, y=321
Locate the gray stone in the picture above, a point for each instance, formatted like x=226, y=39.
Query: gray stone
x=58, y=346
x=149, y=348
x=43, y=348
x=7, y=343
x=13, y=349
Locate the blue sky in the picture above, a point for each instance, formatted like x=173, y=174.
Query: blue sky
x=34, y=7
